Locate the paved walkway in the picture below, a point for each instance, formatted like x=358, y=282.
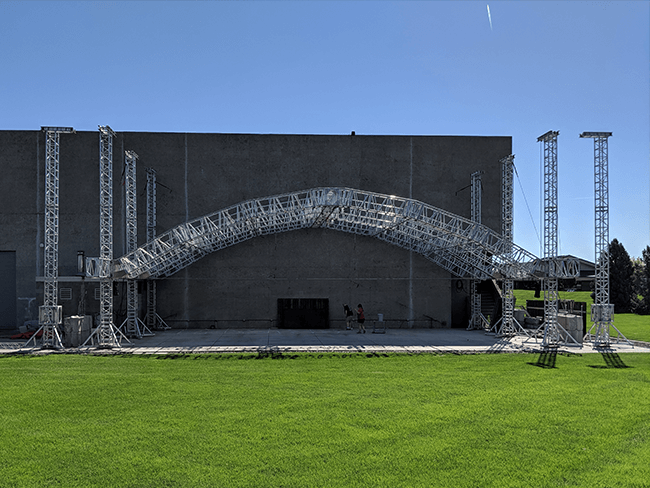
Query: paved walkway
x=201, y=341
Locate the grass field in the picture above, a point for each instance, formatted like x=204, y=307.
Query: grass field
x=325, y=420
x=632, y=326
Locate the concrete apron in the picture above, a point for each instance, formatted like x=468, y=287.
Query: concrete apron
x=201, y=341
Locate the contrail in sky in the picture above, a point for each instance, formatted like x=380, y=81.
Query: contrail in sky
x=489, y=17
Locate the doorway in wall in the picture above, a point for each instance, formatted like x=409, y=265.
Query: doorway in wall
x=303, y=313
x=8, y=290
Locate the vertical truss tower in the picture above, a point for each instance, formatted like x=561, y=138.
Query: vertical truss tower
x=106, y=332
x=152, y=320
x=602, y=312
x=49, y=315
x=130, y=158
x=554, y=333
x=132, y=321
x=509, y=325
x=550, y=283
x=476, y=209
x=477, y=320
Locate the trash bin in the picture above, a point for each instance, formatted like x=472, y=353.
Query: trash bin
x=76, y=330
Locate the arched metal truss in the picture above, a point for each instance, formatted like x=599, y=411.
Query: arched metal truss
x=459, y=245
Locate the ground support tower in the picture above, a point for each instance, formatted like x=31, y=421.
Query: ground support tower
x=106, y=335
x=152, y=320
x=477, y=320
x=132, y=324
x=507, y=324
x=602, y=312
x=49, y=314
x=553, y=333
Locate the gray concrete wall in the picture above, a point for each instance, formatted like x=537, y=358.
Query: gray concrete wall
x=201, y=173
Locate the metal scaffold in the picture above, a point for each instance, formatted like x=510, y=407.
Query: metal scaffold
x=507, y=324
x=106, y=334
x=554, y=334
x=464, y=248
x=134, y=326
x=476, y=198
x=153, y=321
x=602, y=312
x=49, y=314
x=477, y=320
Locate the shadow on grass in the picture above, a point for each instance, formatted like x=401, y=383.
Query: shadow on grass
x=216, y=356
x=612, y=361
x=266, y=354
x=546, y=359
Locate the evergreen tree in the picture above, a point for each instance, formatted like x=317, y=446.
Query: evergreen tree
x=621, y=288
x=639, y=283
x=645, y=283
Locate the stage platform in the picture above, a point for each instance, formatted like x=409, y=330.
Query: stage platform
x=272, y=340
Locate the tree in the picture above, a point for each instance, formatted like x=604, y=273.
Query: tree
x=621, y=288
x=643, y=282
x=638, y=284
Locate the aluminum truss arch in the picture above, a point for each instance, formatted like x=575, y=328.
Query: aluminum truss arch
x=459, y=245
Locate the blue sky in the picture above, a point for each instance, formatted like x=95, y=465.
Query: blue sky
x=385, y=67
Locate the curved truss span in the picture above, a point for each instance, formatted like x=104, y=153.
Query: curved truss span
x=462, y=247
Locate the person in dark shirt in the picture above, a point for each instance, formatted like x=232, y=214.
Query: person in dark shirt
x=361, y=318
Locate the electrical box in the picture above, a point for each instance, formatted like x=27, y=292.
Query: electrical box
x=50, y=314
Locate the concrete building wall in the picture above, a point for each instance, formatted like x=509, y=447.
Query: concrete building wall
x=201, y=173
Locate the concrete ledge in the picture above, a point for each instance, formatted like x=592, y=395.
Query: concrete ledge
x=278, y=341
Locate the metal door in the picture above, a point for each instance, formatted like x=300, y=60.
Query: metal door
x=8, y=290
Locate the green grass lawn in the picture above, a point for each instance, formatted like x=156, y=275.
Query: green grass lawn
x=632, y=326
x=325, y=420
